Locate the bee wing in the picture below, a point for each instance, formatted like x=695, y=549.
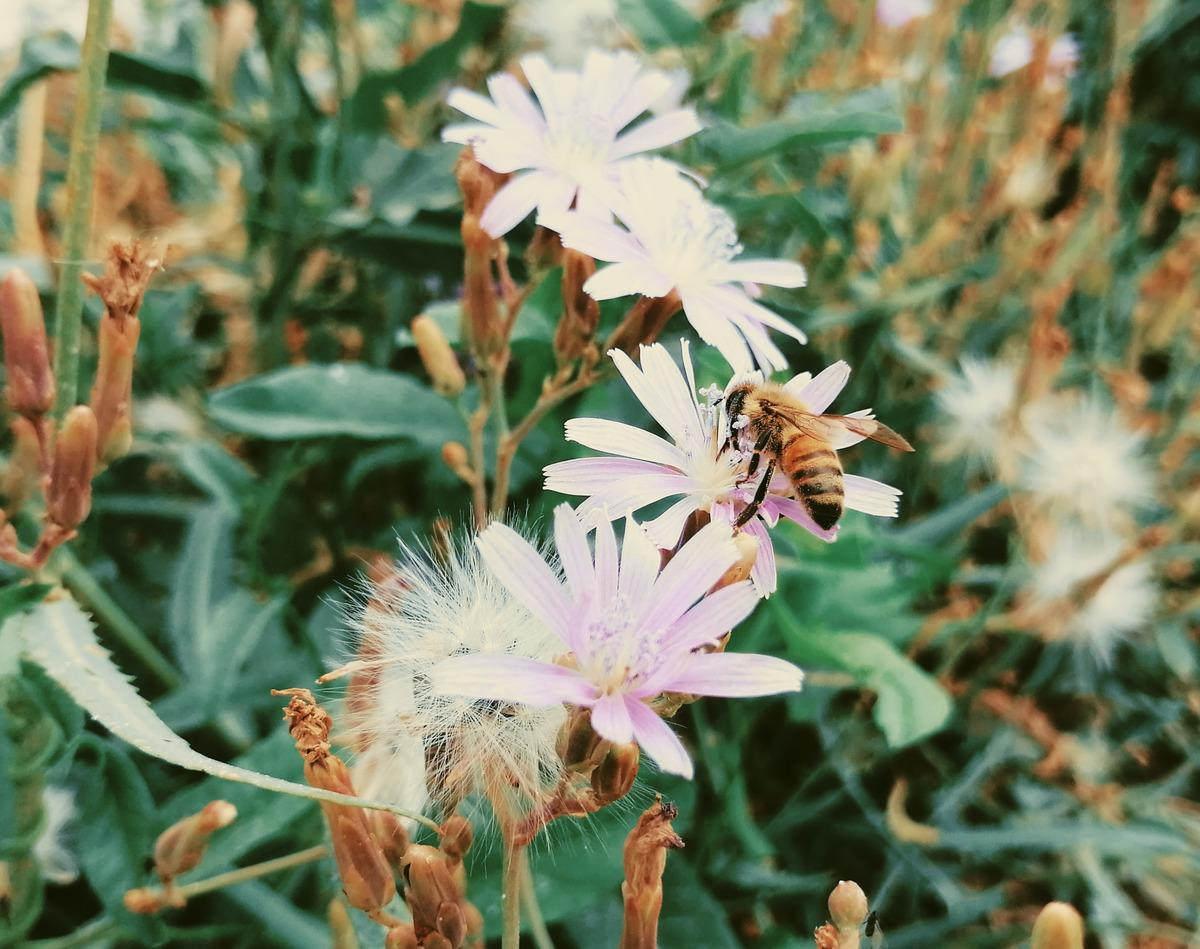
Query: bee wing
x=835, y=429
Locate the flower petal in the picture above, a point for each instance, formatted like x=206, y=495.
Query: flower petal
x=617, y=438
x=512, y=203
x=516, y=564
x=692, y=571
x=715, y=329
x=476, y=106
x=571, y=541
x=736, y=675
x=503, y=678
x=658, y=132
x=656, y=739
x=712, y=617
x=512, y=98
x=774, y=273
x=597, y=238
x=606, y=562
x=591, y=475
x=819, y=394
x=626, y=278
x=764, y=574
x=610, y=718
x=666, y=529
x=872, y=497
x=640, y=564
x=793, y=510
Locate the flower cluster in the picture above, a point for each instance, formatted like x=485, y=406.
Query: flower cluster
x=577, y=157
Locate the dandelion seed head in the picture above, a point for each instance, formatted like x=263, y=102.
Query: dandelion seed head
x=56, y=860
x=976, y=404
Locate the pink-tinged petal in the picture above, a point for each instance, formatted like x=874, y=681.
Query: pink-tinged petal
x=570, y=539
x=793, y=510
x=819, y=394
x=505, y=153
x=736, y=675
x=764, y=574
x=872, y=497
x=627, y=278
x=735, y=299
x=766, y=354
x=597, y=238
x=503, y=678
x=640, y=563
x=476, y=106
x=712, y=617
x=606, y=562
x=666, y=529
x=690, y=573
x=610, y=719
x=512, y=203
x=774, y=273
x=650, y=390
x=511, y=97
x=617, y=438
x=714, y=328
x=658, y=132
x=589, y=475
x=521, y=569
x=655, y=738
x=540, y=75
x=463, y=133
x=798, y=382
x=647, y=89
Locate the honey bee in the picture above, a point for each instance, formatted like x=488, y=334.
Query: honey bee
x=802, y=445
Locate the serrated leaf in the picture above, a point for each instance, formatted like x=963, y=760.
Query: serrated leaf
x=344, y=399
x=61, y=638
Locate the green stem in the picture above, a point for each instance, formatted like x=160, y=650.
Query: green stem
x=529, y=900
x=79, y=580
x=89, y=934
x=252, y=872
x=85, y=133
x=510, y=896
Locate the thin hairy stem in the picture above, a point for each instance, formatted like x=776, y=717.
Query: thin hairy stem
x=85, y=134
x=252, y=872
x=510, y=895
x=533, y=912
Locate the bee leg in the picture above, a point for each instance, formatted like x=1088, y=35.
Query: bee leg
x=758, y=447
x=759, y=495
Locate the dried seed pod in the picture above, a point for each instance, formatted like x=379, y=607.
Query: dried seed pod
x=69, y=494
x=437, y=357
x=581, y=312
x=614, y=776
x=434, y=895
x=181, y=846
x=645, y=859
x=29, y=385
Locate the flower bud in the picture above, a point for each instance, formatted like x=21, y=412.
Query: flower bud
x=30, y=379
x=581, y=312
x=69, y=495
x=181, y=846
x=144, y=901
x=454, y=455
x=23, y=476
x=437, y=357
x=1058, y=926
x=615, y=774
x=456, y=838
x=434, y=896
x=391, y=836
x=112, y=390
x=847, y=905
x=643, y=322
x=400, y=937
x=483, y=326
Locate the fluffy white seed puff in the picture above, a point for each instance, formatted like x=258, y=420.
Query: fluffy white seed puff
x=1083, y=464
x=567, y=142
x=976, y=406
x=1123, y=603
x=458, y=745
x=55, y=860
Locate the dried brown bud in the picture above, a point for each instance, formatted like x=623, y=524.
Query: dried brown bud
x=391, y=835
x=23, y=476
x=645, y=859
x=181, y=846
x=434, y=896
x=112, y=390
x=437, y=357
x=456, y=837
x=644, y=321
x=69, y=494
x=144, y=902
x=127, y=273
x=615, y=774
x=454, y=454
x=581, y=313
x=401, y=937
x=847, y=906
x=1058, y=926
x=826, y=937
x=30, y=378
x=483, y=325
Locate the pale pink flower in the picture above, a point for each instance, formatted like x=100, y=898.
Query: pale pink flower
x=673, y=239
x=632, y=629
x=566, y=142
x=698, y=467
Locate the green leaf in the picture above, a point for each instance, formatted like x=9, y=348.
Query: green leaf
x=910, y=704
x=691, y=915
x=287, y=925
x=156, y=78
x=40, y=56
x=659, y=23
x=437, y=65
x=951, y=520
x=60, y=637
x=335, y=400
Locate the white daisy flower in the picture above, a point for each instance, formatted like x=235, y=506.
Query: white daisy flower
x=1014, y=51
x=1123, y=602
x=976, y=406
x=674, y=239
x=566, y=31
x=55, y=859
x=460, y=745
x=567, y=143
x=896, y=13
x=1083, y=464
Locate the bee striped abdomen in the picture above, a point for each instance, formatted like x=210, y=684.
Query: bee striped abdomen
x=816, y=475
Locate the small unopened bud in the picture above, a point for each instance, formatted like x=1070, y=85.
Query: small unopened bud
x=437, y=357
x=30, y=379
x=483, y=325
x=144, y=902
x=434, y=896
x=456, y=838
x=581, y=312
x=112, y=391
x=391, y=835
x=614, y=776
x=847, y=905
x=645, y=859
x=69, y=495
x=400, y=937
x=181, y=846
x=23, y=475
x=454, y=456
x=1058, y=926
